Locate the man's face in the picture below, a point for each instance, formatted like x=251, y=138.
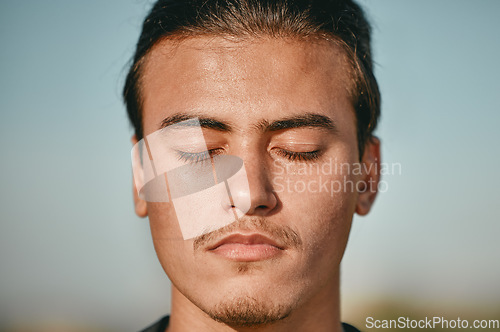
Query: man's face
x=287, y=112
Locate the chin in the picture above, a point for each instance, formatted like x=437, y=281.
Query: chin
x=248, y=311
x=251, y=302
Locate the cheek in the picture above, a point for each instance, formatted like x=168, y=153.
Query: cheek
x=169, y=244
x=326, y=219
x=163, y=222
x=325, y=232
x=320, y=200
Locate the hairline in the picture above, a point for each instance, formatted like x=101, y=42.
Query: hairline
x=354, y=72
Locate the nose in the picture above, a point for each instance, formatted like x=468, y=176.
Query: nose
x=258, y=198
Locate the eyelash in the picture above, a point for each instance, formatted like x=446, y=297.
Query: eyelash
x=197, y=157
x=205, y=155
x=299, y=156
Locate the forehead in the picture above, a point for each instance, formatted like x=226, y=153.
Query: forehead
x=249, y=78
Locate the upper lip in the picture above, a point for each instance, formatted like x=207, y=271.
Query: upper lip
x=240, y=238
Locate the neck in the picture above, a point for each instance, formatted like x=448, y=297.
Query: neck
x=320, y=313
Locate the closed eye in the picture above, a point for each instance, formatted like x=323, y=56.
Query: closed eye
x=299, y=156
x=197, y=157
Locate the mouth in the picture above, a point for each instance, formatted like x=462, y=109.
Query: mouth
x=246, y=248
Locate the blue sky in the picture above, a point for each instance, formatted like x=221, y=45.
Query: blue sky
x=71, y=246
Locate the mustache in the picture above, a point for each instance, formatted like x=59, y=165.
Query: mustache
x=284, y=235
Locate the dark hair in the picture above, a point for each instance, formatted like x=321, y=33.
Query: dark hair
x=342, y=21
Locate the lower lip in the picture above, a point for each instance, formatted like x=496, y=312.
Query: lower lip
x=246, y=252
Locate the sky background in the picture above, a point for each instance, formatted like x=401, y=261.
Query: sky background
x=73, y=251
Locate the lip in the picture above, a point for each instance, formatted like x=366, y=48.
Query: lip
x=246, y=247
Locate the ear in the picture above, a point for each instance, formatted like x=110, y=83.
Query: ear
x=371, y=176
x=141, y=207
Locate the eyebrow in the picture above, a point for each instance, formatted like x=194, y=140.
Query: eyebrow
x=204, y=122
x=313, y=120
x=306, y=120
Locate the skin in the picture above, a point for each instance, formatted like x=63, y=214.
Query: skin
x=246, y=84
